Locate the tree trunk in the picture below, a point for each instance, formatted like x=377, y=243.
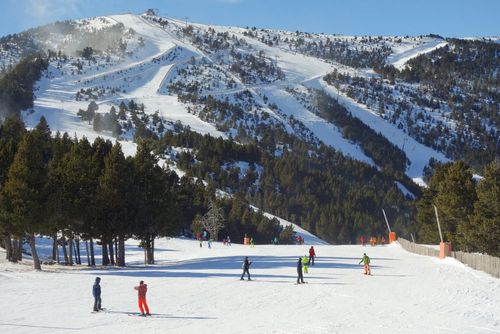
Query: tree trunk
x=149, y=246
x=55, y=249
x=70, y=247
x=65, y=251
x=121, y=251
x=34, y=254
x=146, y=251
x=77, y=254
x=153, y=250
x=87, y=252
x=20, y=249
x=92, y=257
x=111, y=253
x=15, y=249
x=105, y=258
x=8, y=248
x=116, y=250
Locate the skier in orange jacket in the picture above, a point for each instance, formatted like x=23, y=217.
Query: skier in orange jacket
x=143, y=305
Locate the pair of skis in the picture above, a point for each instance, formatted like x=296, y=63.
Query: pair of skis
x=131, y=314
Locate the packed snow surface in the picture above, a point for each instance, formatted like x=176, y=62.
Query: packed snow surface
x=198, y=290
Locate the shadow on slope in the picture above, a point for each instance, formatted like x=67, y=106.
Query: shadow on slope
x=218, y=266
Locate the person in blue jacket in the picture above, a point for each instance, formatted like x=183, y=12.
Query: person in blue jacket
x=96, y=292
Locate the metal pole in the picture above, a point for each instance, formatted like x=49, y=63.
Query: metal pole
x=412, y=238
x=386, y=221
x=439, y=225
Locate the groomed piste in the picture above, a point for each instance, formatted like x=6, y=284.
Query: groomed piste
x=193, y=290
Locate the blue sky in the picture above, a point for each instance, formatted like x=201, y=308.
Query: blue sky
x=356, y=17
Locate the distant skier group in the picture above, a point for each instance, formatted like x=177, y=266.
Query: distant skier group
x=142, y=289
x=373, y=241
x=303, y=264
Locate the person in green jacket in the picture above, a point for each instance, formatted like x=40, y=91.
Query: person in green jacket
x=305, y=262
x=366, y=262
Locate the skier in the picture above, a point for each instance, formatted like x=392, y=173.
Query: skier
x=141, y=291
x=312, y=255
x=366, y=262
x=209, y=242
x=246, y=267
x=251, y=243
x=382, y=240
x=305, y=263
x=300, y=277
x=362, y=240
x=228, y=240
x=96, y=292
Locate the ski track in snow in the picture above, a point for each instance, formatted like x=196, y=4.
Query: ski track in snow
x=401, y=57
x=193, y=289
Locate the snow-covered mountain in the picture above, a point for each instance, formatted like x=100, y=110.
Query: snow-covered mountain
x=269, y=75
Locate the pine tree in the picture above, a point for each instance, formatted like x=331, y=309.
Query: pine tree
x=114, y=186
x=428, y=231
x=78, y=184
x=454, y=199
x=484, y=232
x=147, y=187
x=23, y=191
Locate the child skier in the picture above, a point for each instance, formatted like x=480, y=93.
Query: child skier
x=366, y=262
x=305, y=263
x=141, y=291
x=300, y=277
x=246, y=268
x=96, y=292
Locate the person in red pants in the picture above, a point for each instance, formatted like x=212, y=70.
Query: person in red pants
x=143, y=305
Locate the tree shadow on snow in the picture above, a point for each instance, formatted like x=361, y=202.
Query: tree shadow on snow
x=212, y=267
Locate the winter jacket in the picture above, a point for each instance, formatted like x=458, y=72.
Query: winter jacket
x=141, y=290
x=311, y=252
x=299, y=266
x=365, y=260
x=305, y=261
x=246, y=264
x=96, y=289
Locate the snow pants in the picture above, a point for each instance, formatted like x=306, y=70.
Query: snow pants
x=247, y=272
x=311, y=260
x=143, y=305
x=97, y=304
x=367, y=269
x=300, y=277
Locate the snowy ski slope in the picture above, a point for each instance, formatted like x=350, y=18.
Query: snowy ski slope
x=144, y=75
x=193, y=290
